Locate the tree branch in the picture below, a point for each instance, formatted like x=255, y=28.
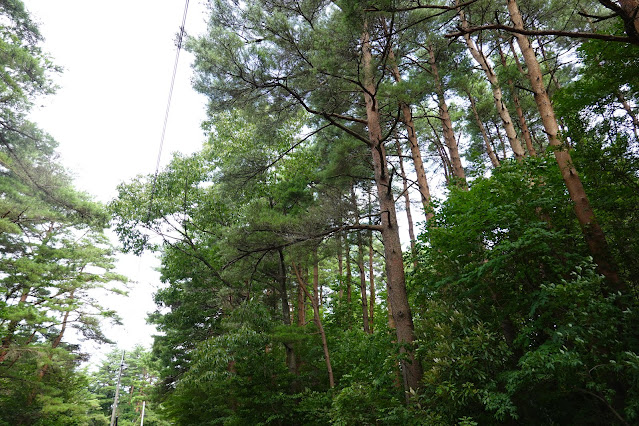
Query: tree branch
x=573, y=34
x=246, y=253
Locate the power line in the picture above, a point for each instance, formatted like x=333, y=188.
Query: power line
x=180, y=39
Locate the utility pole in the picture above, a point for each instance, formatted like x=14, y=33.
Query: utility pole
x=117, y=394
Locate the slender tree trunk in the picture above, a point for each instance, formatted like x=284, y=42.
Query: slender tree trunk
x=55, y=343
x=409, y=215
x=349, y=274
x=371, y=271
x=516, y=57
x=318, y=323
x=509, y=127
x=11, y=328
x=501, y=140
x=443, y=155
x=411, y=368
x=371, y=268
x=593, y=233
x=362, y=283
x=407, y=119
x=546, y=61
x=286, y=309
x=631, y=114
x=513, y=51
x=301, y=307
x=360, y=265
x=291, y=359
x=316, y=314
x=447, y=124
x=65, y=320
x=340, y=266
x=489, y=149
x=523, y=124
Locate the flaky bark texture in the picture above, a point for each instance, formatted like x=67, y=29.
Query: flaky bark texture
x=390, y=232
x=628, y=10
x=593, y=233
x=447, y=124
x=631, y=8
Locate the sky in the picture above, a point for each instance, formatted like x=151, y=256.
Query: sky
x=108, y=112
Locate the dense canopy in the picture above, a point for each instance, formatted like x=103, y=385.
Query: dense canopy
x=404, y=213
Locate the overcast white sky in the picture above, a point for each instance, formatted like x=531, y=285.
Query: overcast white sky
x=108, y=114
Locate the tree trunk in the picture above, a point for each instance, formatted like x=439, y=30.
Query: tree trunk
x=340, y=266
x=631, y=9
x=409, y=215
x=301, y=307
x=489, y=149
x=371, y=269
x=593, y=233
x=54, y=344
x=501, y=140
x=551, y=71
x=316, y=316
x=447, y=125
x=360, y=265
x=11, y=328
x=291, y=359
x=520, y=112
x=631, y=114
x=349, y=274
x=286, y=309
x=509, y=127
x=407, y=119
x=443, y=155
x=390, y=232
x=540, y=146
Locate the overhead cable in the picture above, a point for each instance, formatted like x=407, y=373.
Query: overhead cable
x=179, y=42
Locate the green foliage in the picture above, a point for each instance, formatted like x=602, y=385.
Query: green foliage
x=60, y=397
x=238, y=377
x=511, y=321
x=605, y=135
x=235, y=378
x=514, y=323
x=137, y=383
x=25, y=69
x=53, y=253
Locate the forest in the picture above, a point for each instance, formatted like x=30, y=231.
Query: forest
x=406, y=212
